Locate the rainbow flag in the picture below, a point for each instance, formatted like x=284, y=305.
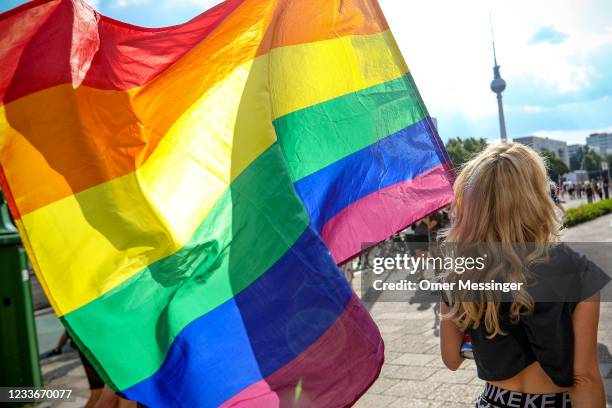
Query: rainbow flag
x=185, y=193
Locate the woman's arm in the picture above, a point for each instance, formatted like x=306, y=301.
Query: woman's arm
x=588, y=390
x=451, y=339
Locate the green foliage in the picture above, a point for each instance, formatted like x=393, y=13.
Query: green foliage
x=588, y=159
x=587, y=212
x=555, y=166
x=591, y=161
x=462, y=150
x=576, y=159
x=608, y=158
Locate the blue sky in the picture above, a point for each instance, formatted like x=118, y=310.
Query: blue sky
x=556, y=56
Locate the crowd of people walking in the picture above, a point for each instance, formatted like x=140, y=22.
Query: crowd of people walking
x=592, y=190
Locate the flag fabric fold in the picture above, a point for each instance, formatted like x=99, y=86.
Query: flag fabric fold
x=185, y=193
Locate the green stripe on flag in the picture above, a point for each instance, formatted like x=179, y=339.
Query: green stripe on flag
x=320, y=135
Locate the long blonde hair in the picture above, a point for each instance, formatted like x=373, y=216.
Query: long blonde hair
x=502, y=200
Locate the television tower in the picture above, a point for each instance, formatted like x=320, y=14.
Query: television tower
x=498, y=85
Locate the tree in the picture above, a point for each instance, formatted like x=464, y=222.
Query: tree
x=576, y=159
x=462, y=150
x=608, y=159
x=591, y=161
x=555, y=166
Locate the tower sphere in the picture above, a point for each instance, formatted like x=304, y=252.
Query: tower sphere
x=498, y=85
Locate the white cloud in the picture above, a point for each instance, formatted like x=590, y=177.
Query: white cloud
x=126, y=3
x=200, y=4
x=447, y=44
x=197, y=6
x=534, y=108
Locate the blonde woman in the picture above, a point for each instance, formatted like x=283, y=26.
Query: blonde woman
x=530, y=353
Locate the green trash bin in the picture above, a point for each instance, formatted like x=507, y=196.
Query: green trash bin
x=20, y=366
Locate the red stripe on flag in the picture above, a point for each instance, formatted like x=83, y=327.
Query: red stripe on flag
x=97, y=51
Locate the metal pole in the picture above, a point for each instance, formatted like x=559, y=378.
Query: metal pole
x=502, y=119
x=20, y=365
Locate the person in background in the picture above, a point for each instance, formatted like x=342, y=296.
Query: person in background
x=588, y=189
x=555, y=197
x=606, y=188
x=598, y=189
x=530, y=353
x=420, y=241
x=564, y=191
x=436, y=222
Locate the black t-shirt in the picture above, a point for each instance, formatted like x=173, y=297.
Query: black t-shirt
x=546, y=335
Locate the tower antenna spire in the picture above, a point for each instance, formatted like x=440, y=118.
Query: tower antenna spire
x=498, y=86
x=492, y=37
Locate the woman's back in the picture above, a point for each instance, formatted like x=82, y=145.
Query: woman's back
x=531, y=380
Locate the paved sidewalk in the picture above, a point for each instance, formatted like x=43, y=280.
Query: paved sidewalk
x=414, y=375
x=572, y=203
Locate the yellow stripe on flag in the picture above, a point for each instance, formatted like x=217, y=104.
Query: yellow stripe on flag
x=308, y=74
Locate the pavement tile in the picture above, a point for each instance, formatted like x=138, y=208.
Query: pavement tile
x=412, y=389
x=388, y=368
x=418, y=329
x=454, y=377
x=412, y=373
x=387, y=307
x=385, y=328
x=406, y=315
x=434, y=349
x=412, y=359
x=416, y=403
x=403, y=322
x=451, y=404
x=389, y=337
x=391, y=355
x=410, y=346
x=375, y=401
x=421, y=338
x=461, y=393
x=382, y=384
